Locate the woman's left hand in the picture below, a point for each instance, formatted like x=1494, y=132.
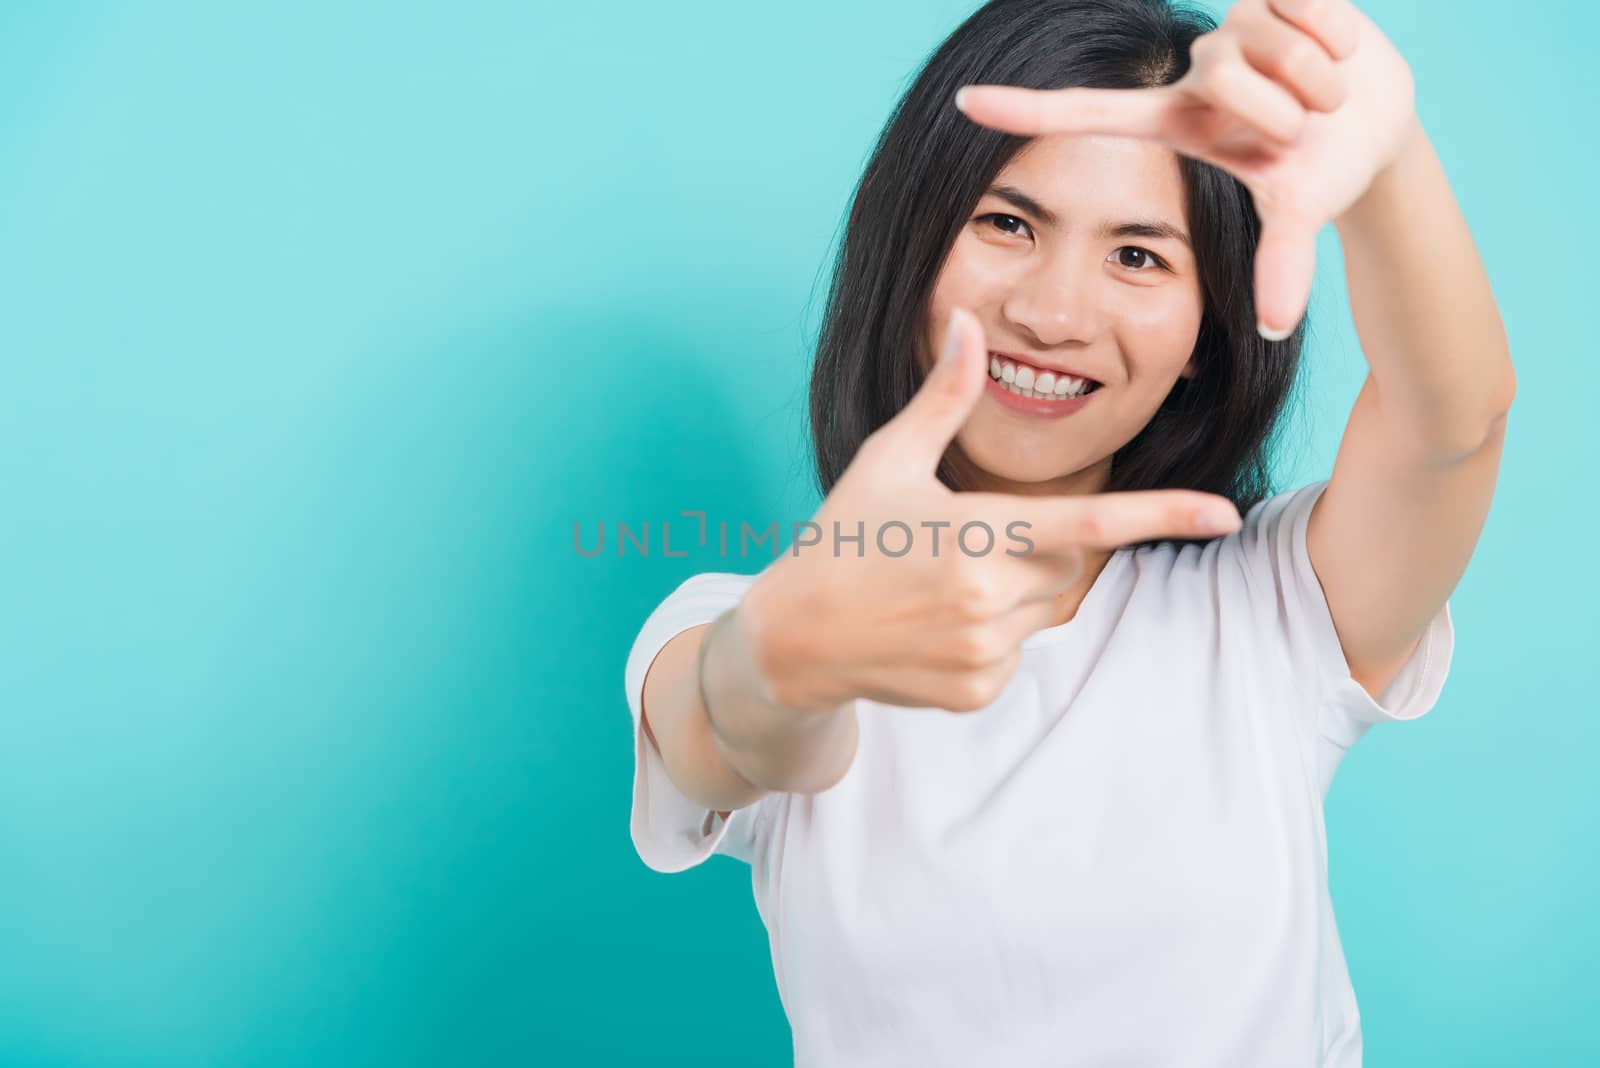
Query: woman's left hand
x=1304, y=101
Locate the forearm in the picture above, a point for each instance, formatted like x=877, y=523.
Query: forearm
x=756, y=745
x=767, y=745
x=1423, y=308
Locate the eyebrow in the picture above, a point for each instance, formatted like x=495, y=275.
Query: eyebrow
x=1151, y=228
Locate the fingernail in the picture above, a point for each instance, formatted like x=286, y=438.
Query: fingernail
x=961, y=96
x=1272, y=335
x=952, y=338
x=1217, y=519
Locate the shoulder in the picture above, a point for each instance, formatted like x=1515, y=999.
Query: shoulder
x=1246, y=580
x=1265, y=545
x=706, y=589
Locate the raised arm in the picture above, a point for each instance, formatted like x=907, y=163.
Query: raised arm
x=710, y=754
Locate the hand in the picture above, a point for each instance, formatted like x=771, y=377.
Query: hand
x=1304, y=101
x=935, y=627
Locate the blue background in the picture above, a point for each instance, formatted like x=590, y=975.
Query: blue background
x=321, y=325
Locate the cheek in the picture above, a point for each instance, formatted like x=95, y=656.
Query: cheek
x=961, y=282
x=970, y=277
x=1161, y=333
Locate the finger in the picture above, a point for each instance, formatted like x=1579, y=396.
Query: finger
x=1027, y=618
x=1046, y=574
x=920, y=432
x=1285, y=265
x=1118, y=112
x=1028, y=572
x=1110, y=520
x=1290, y=57
x=966, y=692
x=1237, y=88
x=1331, y=23
x=1042, y=573
x=947, y=690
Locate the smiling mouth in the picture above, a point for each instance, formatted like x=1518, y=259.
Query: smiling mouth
x=1025, y=380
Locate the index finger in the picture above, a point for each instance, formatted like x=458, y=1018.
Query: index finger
x=1109, y=520
x=1118, y=112
x=1332, y=25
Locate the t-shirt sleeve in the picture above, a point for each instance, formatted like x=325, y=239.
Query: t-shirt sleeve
x=671, y=832
x=1272, y=543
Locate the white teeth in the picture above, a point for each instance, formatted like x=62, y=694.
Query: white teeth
x=1027, y=382
x=1012, y=388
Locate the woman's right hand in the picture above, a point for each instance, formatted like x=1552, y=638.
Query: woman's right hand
x=938, y=626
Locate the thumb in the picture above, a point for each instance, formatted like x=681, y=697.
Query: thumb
x=1286, y=262
x=922, y=430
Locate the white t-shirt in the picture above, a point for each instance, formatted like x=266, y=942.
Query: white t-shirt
x=1122, y=861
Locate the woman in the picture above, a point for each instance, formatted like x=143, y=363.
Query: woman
x=1113, y=852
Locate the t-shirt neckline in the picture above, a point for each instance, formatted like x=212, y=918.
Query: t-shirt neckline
x=1086, y=608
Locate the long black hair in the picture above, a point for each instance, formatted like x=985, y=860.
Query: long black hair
x=931, y=164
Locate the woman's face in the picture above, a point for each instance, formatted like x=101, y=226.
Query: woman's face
x=1056, y=285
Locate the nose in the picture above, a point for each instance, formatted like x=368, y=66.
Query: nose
x=1057, y=302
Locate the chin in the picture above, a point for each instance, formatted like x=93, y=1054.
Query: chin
x=1006, y=464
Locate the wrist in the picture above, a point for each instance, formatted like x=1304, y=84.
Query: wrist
x=1386, y=193
x=709, y=642
x=782, y=668
x=764, y=744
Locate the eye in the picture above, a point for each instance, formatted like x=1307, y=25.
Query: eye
x=1003, y=218
x=1136, y=250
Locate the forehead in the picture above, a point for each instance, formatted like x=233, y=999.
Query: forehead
x=1083, y=173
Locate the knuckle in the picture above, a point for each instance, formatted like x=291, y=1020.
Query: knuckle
x=971, y=692
x=1089, y=526
x=972, y=607
x=976, y=647
x=953, y=701
x=1306, y=9
x=1208, y=51
x=980, y=689
x=1243, y=18
x=1295, y=122
x=1227, y=79
x=1216, y=79
x=974, y=595
x=1299, y=57
x=1005, y=669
